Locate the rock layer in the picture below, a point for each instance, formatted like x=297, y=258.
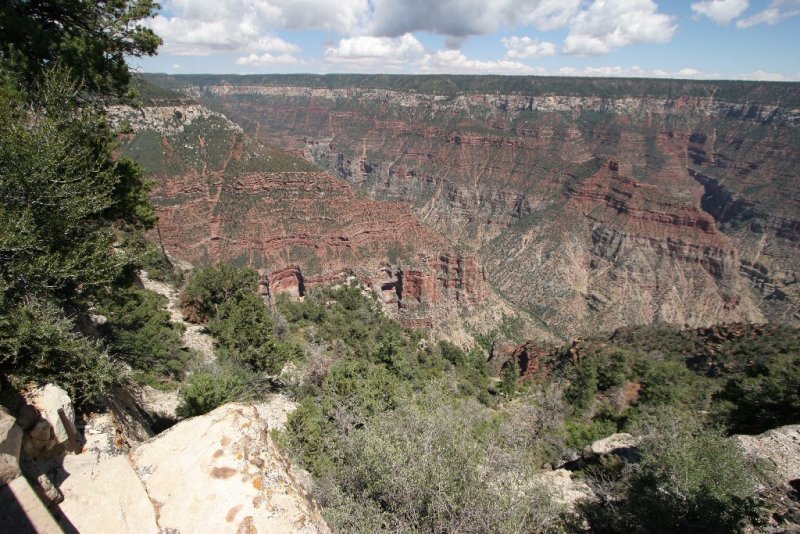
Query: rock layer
x=223, y=197
x=696, y=223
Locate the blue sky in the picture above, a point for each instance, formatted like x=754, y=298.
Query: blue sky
x=730, y=39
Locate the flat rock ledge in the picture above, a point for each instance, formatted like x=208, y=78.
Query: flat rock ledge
x=219, y=472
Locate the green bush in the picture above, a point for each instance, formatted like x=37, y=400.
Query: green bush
x=767, y=400
x=691, y=479
x=38, y=344
x=139, y=332
x=207, y=390
x=244, y=329
x=426, y=466
x=212, y=286
x=583, y=384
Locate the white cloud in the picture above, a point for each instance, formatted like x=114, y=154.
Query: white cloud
x=548, y=14
x=202, y=27
x=267, y=59
x=271, y=43
x=456, y=18
x=406, y=53
x=720, y=11
x=610, y=24
x=689, y=73
x=634, y=71
x=343, y=16
x=366, y=49
x=463, y=18
x=454, y=62
x=761, y=75
x=525, y=47
x=776, y=12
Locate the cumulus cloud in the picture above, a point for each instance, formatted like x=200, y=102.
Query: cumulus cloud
x=268, y=60
x=720, y=11
x=463, y=18
x=635, y=71
x=453, y=61
x=407, y=53
x=367, y=49
x=457, y=18
x=610, y=24
x=548, y=14
x=201, y=27
x=761, y=75
x=525, y=47
x=775, y=12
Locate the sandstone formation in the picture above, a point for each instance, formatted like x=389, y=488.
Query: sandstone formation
x=48, y=400
x=221, y=196
x=221, y=473
x=778, y=451
x=23, y=512
x=609, y=204
x=102, y=492
x=10, y=447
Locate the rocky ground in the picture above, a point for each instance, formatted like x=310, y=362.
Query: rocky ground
x=219, y=472
x=195, y=336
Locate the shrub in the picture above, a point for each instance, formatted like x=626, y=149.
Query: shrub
x=584, y=384
x=690, y=479
x=766, y=400
x=207, y=390
x=211, y=286
x=39, y=345
x=140, y=333
x=245, y=332
x=428, y=467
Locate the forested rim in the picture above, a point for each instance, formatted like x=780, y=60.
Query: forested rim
x=734, y=91
x=401, y=432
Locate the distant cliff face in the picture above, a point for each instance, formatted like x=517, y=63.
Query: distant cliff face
x=221, y=196
x=591, y=211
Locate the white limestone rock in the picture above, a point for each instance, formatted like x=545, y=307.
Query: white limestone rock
x=10, y=447
x=48, y=400
x=220, y=472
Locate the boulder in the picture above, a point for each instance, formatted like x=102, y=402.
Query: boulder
x=220, y=472
x=10, y=447
x=48, y=400
x=102, y=492
x=566, y=490
x=778, y=448
x=23, y=512
x=129, y=416
x=778, y=451
x=621, y=444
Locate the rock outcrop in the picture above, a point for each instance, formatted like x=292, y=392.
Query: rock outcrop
x=778, y=451
x=219, y=472
x=102, y=492
x=48, y=401
x=222, y=473
x=658, y=201
x=10, y=447
x=221, y=196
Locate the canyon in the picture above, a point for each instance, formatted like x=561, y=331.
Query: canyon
x=584, y=205
x=224, y=197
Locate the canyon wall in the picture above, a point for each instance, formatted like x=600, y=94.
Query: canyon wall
x=221, y=196
x=639, y=203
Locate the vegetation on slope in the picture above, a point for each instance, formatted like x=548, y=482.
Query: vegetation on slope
x=401, y=433
x=65, y=200
x=778, y=93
